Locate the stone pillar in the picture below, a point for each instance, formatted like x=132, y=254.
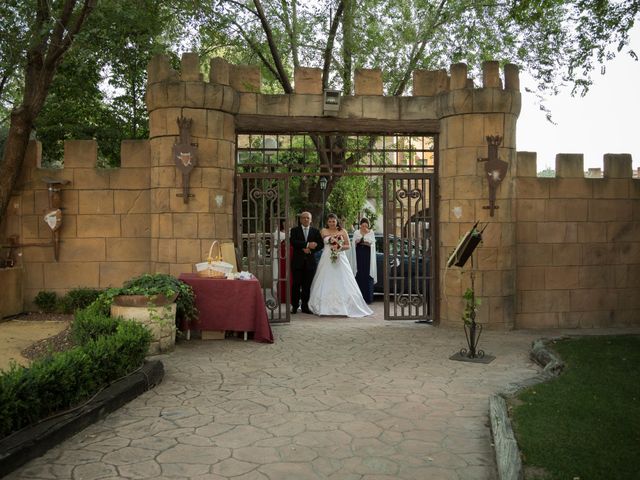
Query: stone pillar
x=181, y=233
x=467, y=117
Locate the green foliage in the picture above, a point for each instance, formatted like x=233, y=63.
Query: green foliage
x=470, y=306
x=151, y=284
x=586, y=422
x=65, y=379
x=90, y=324
x=558, y=42
x=73, y=110
x=547, y=173
x=46, y=301
x=156, y=283
x=113, y=355
x=347, y=198
x=14, y=38
x=372, y=216
x=98, y=91
x=77, y=298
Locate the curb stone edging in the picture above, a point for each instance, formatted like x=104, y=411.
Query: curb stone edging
x=507, y=453
x=544, y=357
x=34, y=441
x=508, y=462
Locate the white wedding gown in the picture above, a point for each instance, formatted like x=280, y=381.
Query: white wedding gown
x=334, y=290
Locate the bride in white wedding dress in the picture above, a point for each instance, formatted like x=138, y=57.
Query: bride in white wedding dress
x=334, y=290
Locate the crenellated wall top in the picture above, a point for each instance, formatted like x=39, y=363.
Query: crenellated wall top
x=571, y=165
x=451, y=93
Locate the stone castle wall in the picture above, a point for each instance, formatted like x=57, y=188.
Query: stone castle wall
x=123, y=222
x=104, y=238
x=578, y=245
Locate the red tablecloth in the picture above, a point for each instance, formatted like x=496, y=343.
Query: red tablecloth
x=235, y=305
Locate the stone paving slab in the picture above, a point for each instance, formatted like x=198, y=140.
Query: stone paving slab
x=332, y=398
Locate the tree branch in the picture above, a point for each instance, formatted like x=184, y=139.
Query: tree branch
x=418, y=49
x=243, y=6
x=290, y=28
x=3, y=83
x=347, y=47
x=330, y=41
x=275, y=54
x=54, y=55
x=255, y=47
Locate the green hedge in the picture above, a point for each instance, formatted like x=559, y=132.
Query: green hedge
x=110, y=349
x=91, y=323
x=46, y=301
x=77, y=299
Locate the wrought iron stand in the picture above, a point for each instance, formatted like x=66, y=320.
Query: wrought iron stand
x=472, y=330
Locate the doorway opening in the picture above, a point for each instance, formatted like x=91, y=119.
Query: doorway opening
x=387, y=177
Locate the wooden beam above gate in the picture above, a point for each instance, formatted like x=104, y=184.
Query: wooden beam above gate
x=277, y=124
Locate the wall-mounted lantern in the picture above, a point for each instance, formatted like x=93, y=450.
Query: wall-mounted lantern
x=270, y=149
x=331, y=104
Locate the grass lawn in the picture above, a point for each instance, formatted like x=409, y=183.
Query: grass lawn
x=585, y=424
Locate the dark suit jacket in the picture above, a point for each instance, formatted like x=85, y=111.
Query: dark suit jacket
x=301, y=260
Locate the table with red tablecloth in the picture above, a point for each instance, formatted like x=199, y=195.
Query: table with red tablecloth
x=235, y=305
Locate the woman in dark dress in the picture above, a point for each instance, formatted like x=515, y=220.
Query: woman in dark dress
x=363, y=261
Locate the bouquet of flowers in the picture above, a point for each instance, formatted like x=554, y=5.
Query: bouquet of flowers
x=336, y=246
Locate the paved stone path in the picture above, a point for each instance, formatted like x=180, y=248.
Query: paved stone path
x=349, y=399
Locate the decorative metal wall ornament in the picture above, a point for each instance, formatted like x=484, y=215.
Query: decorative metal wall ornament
x=185, y=154
x=495, y=169
x=53, y=216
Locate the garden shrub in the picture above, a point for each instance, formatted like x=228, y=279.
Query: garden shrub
x=156, y=283
x=77, y=299
x=113, y=355
x=46, y=301
x=151, y=284
x=91, y=323
x=110, y=349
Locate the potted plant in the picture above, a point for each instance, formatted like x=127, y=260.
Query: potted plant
x=472, y=330
x=157, y=300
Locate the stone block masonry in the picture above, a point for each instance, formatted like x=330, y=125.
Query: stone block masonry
x=578, y=245
x=105, y=233
x=558, y=252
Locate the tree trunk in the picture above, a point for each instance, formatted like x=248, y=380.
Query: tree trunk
x=46, y=50
x=13, y=156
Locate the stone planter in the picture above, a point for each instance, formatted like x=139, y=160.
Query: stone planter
x=159, y=300
x=159, y=319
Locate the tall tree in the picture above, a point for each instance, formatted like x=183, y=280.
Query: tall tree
x=556, y=41
x=51, y=29
x=99, y=90
x=86, y=72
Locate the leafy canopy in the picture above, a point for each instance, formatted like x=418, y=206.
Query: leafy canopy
x=556, y=41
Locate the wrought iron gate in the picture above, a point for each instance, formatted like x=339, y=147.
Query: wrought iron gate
x=409, y=289
x=262, y=235
x=268, y=165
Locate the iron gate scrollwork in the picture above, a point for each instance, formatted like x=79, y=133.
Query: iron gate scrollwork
x=262, y=232
x=268, y=165
x=408, y=264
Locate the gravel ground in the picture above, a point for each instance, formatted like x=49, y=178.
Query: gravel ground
x=57, y=343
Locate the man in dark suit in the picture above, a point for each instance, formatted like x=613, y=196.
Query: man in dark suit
x=305, y=240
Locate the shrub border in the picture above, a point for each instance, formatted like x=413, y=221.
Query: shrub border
x=34, y=441
x=508, y=461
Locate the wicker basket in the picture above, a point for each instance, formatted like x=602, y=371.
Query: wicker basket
x=214, y=267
